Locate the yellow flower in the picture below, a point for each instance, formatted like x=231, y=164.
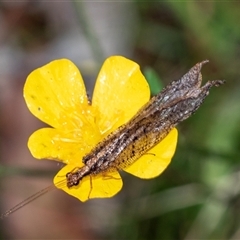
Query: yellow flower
x=55, y=93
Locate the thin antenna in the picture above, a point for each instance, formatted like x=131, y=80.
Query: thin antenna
x=30, y=199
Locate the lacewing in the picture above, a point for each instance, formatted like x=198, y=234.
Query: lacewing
x=151, y=124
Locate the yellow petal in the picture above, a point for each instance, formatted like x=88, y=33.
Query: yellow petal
x=68, y=147
x=56, y=92
x=99, y=186
x=120, y=91
x=155, y=161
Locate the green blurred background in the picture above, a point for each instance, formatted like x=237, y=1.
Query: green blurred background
x=198, y=196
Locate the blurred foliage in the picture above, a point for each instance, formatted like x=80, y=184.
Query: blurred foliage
x=198, y=196
x=153, y=80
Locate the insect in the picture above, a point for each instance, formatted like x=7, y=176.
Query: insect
x=152, y=123
x=179, y=100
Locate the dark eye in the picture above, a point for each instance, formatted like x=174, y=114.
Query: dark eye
x=68, y=175
x=76, y=182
